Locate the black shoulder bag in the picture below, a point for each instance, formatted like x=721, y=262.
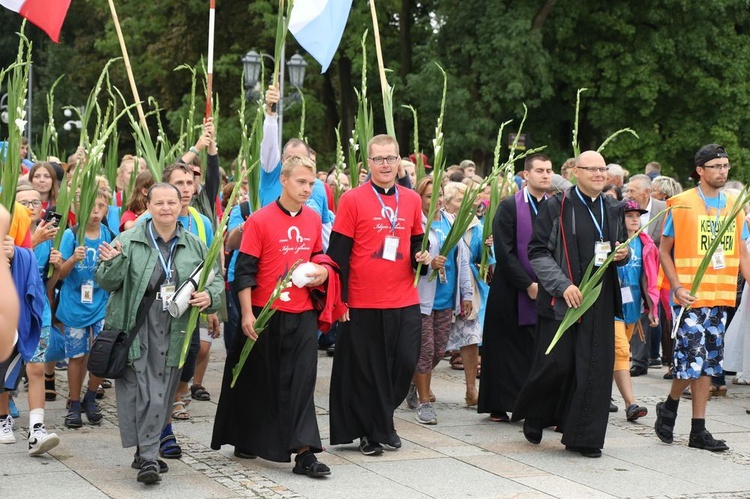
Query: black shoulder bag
x=109, y=353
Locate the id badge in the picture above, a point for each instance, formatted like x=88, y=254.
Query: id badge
x=87, y=292
x=390, y=249
x=167, y=292
x=627, y=294
x=441, y=275
x=601, y=250
x=717, y=260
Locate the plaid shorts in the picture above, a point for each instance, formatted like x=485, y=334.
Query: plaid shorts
x=699, y=343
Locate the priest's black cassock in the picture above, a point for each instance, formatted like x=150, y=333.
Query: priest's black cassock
x=510, y=321
x=571, y=386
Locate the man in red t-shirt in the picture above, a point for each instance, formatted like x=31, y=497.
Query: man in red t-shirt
x=376, y=242
x=271, y=409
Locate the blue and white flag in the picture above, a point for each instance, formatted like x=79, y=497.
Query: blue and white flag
x=318, y=26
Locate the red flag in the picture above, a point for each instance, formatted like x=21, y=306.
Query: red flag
x=47, y=15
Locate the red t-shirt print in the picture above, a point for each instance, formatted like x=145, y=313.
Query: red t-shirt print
x=373, y=281
x=278, y=240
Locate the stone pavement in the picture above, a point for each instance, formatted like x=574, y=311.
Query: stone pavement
x=464, y=455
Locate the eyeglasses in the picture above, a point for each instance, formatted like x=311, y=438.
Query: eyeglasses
x=593, y=169
x=379, y=160
x=725, y=166
x=30, y=204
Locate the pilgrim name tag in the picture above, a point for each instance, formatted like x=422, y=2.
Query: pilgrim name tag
x=718, y=259
x=87, y=292
x=601, y=250
x=441, y=275
x=166, y=294
x=390, y=248
x=627, y=294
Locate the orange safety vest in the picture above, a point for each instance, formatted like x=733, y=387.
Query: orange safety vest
x=692, y=235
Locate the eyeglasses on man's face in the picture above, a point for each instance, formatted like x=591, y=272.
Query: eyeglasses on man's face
x=593, y=169
x=725, y=166
x=380, y=160
x=30, y=204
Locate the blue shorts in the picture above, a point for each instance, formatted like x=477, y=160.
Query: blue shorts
x=78, y=340
x=41, y=348
x=699, y=343
x=10, y=371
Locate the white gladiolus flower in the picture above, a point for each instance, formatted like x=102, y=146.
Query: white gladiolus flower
x=21, y=124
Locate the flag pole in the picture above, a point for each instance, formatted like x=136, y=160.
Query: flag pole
x=128, y=68
x=210, y=70
x=384, y=87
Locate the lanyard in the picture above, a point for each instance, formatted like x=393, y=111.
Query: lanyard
x=530, y=199
x=392, y=219
x=167, y=266
x=708, y=210
x=593, y=218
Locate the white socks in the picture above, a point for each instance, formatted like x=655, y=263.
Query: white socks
x=36, y=416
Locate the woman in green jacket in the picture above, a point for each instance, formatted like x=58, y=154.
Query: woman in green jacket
x=143, y=267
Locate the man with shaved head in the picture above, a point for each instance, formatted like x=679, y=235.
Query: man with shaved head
x=570, y=388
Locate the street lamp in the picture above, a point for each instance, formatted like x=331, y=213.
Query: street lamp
x=70, y=124
x=296, y=65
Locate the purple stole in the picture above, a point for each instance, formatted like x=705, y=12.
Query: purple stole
x=526, y=306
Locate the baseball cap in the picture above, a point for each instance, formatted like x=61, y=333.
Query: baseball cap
x=706, y=154
x=630, y=205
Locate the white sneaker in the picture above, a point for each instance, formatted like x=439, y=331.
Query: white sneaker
x=6, y=431
x=40, y=441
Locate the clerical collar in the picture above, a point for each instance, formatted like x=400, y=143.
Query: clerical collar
x=281, y=207
x=586, y=197
x=391, y=190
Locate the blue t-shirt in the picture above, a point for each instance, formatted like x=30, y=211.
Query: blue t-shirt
x=718, y=202
x=630, y=276
x=445, y=294
x=270, y=190
x=235, y=220
x=113, y=219
x=41, y=253
x=71, y=311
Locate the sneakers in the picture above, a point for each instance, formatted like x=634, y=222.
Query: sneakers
x=93, y=413
x=663, y=429
x=61, y=365
x=704, y=440
x=40, y=441
x=369, y=448
x=635, y=411
x=411, y=398
x=426, y=414
x=6, y=431
x=394, y=442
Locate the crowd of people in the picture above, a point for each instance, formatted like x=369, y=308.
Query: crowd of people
x=387, y=310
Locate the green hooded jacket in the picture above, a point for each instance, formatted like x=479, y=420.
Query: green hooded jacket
x=126, y=277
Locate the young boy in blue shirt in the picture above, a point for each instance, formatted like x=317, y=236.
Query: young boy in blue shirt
x=81, y=308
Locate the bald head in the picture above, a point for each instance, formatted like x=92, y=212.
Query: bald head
x=591, y=172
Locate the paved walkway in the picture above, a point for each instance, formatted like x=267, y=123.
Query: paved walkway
x=465, y=455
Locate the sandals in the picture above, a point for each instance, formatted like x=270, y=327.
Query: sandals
x=50, y=395
x=198, y=392
x=740, y=380
x=718, y=391
x=180, y=414
x=499, y=417
x=149, y=473
x=93, y=413
x=307, y=464
x=456, y=362
x=169, y=448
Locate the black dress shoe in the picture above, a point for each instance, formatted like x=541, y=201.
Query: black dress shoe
x=331, y=350
x=637, y=371
x=243, y=454
x=532, y=430
x=585, y=451
x=613, y=407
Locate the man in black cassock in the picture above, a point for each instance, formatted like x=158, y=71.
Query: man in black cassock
x=270, y=412
x=510, y=323
x=571, y=386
